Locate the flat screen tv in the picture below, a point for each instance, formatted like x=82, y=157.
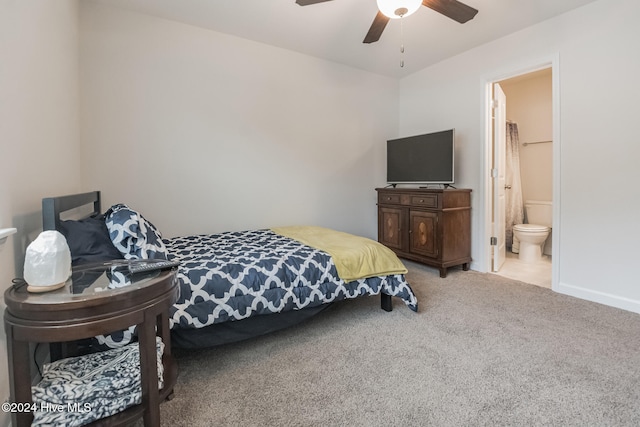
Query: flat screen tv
x=422, y=159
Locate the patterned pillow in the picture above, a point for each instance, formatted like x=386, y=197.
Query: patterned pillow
x=90, y=387
x=133, y=235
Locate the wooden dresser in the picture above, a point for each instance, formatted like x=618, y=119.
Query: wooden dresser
x=431, y=226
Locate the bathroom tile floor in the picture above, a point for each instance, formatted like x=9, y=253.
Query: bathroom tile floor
x=536, y=274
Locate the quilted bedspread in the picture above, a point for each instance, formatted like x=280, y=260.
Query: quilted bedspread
x=235, y=275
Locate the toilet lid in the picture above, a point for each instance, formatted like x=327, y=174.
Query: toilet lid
x=530, y=227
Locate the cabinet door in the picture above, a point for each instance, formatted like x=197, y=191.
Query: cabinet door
x=390, y=227
x=422, y=229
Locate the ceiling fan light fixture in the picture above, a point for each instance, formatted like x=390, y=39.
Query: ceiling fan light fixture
x=395, y=9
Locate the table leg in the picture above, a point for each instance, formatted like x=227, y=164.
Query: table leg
x=19, y=376
x=149, y=369
x=164, y=332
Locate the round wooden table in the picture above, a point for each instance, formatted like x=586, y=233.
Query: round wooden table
x=97, y=299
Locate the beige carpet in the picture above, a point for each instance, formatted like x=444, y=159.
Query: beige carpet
x=482, y=350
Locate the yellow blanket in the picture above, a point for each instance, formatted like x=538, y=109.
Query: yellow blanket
x=355, y=257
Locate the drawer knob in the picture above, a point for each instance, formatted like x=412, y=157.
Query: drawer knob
x=421, y=200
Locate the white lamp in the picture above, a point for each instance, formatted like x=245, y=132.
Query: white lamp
x=398, y=8
x=47, y=262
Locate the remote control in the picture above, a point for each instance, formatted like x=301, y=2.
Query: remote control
x=151, y=265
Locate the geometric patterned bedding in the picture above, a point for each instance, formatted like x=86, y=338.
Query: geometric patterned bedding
x=234, y=275
x=86, y=388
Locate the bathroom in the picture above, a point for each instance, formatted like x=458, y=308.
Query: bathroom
x=529, y=107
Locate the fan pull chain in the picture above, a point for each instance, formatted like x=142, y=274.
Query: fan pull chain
x=401, y=43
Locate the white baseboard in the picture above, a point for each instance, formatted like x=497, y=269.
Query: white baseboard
x=599, y=297
x=587, y=294
x=475, y=266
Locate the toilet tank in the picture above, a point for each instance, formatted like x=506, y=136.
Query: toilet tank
x=539, y=212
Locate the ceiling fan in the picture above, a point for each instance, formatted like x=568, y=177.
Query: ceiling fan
x=453, y=9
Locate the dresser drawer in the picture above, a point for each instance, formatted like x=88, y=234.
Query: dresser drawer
x=426, y=200
x=389, y=199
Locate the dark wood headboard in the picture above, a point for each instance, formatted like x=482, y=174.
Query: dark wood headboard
x=54, y=207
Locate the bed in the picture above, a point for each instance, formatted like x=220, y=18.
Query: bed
x=238, y=284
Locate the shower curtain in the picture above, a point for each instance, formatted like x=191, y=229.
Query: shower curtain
x=513, y=198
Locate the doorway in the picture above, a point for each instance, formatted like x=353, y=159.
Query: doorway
x=531, y=109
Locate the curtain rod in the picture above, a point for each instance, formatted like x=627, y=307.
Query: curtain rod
x=536, y=142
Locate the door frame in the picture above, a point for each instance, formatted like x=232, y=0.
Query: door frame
x=498, y=174
x=552, y=62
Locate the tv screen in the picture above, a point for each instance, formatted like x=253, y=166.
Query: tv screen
x=424, y=159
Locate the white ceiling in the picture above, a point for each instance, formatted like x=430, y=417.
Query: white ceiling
x=334, y=30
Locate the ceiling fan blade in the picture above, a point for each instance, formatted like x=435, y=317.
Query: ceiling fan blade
x=453, y=9
x=308, y=2
x=376, y=29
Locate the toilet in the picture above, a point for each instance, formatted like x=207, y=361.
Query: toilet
x=529, y=238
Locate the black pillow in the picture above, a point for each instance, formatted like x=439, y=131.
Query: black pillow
x=89, y=240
